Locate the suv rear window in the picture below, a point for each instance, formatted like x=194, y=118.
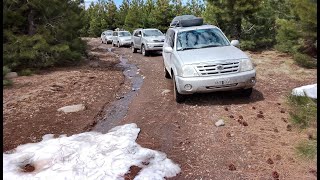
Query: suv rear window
x=200, y=38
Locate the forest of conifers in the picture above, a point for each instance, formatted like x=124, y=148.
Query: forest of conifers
x=44, y=33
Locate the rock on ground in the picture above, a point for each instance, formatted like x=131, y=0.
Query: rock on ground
x=219, y=123
x=72, y=108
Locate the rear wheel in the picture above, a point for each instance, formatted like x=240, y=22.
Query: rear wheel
x=134, y=50
x=247, y=92
x=179, y=98
x=144, y=51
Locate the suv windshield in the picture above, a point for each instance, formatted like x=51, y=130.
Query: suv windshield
x=152, y=33
x=109, y=33
x=121, y=34
x=200, y=38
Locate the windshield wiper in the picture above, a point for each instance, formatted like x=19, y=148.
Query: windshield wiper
x=187, y=48
x=211, y=46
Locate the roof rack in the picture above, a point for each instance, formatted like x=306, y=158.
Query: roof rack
x=186, y=21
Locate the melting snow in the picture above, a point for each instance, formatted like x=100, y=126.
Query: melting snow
x=89, y=155
x=309, y=90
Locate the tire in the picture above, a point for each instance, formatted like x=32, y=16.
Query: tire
x=112, y=44
x=144, y=52
x=166, y=73
x=134, y=50
x=179, y=98
x=247, y=92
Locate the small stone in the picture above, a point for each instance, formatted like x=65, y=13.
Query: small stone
x=311, y=137
x=260, y=116
x=219, y=123
x=28, y=168
x=284, y=119
x=164, y=92
x=282, y=111
x=278, y=157
x=253, y=107
x=231, y=116
x=275, y=130
x=228, y=134
x=275, y=175
x=314, y=172
x=244, y=123
x=240, y=117
x=226, y=109
x=232, y=167
x=269, y=161
x=260, y=112
x=289, y=127
x=279, y=104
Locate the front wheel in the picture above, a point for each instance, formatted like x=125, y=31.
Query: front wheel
x=166, y=73
x=247, y=92
x=144, y=51
x=179, y=98
x=134, y=50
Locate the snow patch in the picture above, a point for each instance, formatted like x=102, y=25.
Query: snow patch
x=89, y=155
x=309, y=90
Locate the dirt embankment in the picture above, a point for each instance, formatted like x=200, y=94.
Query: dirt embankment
x=30, y=105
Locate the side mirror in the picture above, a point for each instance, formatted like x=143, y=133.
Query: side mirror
x=167, y=49
x=139, y=35
x=235, y=43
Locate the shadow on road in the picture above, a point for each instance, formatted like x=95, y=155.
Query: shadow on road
x=223, y=98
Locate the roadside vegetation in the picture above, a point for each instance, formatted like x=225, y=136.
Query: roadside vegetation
x=304, y=116
x=41, y=34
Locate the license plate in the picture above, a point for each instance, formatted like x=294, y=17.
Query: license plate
x=222, y=82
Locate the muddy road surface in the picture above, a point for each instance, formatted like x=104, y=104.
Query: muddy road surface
x=254, y=143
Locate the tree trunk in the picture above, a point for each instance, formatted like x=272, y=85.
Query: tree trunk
x=31, y=29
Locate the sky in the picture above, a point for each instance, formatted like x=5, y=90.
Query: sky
x=88, y=155
x=88, y=2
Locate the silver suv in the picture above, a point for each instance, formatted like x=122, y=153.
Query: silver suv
x=106, y=36
x=121, y=38
x=147, y=40
x=200, y=58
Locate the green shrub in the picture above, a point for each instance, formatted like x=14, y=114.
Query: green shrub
x=304, y=60
x=303, y=111
x=26, y=72
x=6, y=70
x=307, y=149
x=7, y=82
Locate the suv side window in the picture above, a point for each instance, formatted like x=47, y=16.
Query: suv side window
x=136, y=33
x=170, y=37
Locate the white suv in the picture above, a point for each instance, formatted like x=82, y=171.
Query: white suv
x=200, y=58
x=121, y=38
x=147, y=40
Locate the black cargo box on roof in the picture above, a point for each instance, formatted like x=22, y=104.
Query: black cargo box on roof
x=186, y=21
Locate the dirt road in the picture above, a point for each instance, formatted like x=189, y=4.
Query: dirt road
x=260, y=148
x=264, y=149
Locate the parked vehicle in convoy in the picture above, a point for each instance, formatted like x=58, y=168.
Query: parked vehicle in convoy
x=121, y=38
x=199, y=58
x=106, y=36
x=147, y=40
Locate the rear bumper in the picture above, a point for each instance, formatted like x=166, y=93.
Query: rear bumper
x=242, y=80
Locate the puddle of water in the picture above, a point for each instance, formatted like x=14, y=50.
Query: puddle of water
x=118, y=109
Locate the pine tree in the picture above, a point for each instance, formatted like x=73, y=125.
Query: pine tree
x=122, y=13
x=228, y=14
